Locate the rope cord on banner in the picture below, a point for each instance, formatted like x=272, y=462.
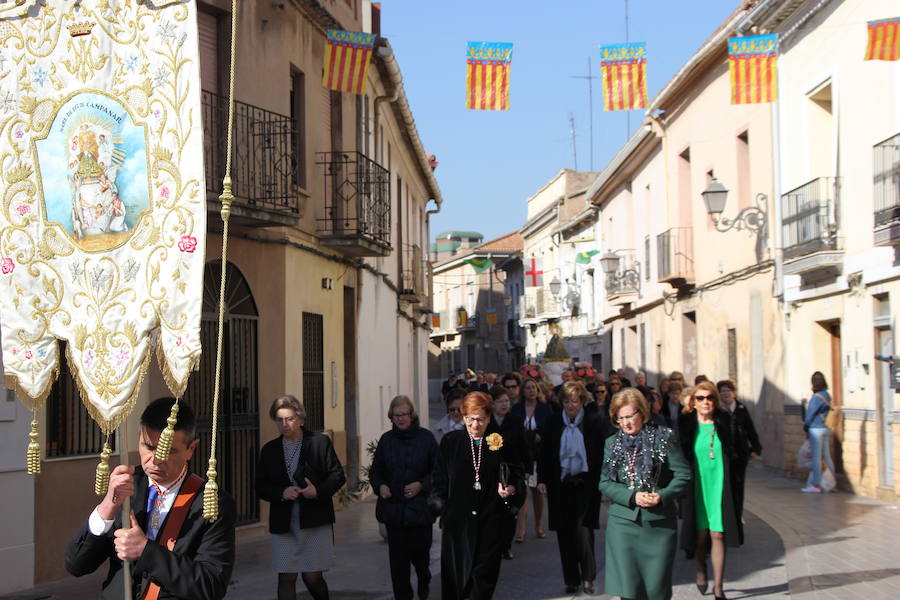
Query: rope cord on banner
x=210, y=491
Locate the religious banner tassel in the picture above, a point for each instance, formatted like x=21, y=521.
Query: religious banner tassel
x=33, y=455
x=101, y=478
x=211, y=493
x=164, y=445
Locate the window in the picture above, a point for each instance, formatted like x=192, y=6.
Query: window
x=313, y=371
x=643, y=341
x=821, y=132
x=647, y=258
x=70, y=429
x=298, y=120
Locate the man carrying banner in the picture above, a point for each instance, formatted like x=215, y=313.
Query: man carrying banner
x=174, y=551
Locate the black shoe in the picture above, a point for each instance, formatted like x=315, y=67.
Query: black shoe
x=423, y=588
x=571, y=589
x=588, y=588
x=507, y=555
x=702, y=588
x=721, y=598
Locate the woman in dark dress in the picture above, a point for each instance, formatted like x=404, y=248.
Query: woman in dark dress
x=710, y=522
x=298, y=473
x=469, y=495
x=534, y=411
x=568, y=473
x=401, y=476
x=514, y=451
x=643, y=474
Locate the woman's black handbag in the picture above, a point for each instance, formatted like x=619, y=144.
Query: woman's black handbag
x=504, y=477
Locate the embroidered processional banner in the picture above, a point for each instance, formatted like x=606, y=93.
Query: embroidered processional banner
x=103, y=213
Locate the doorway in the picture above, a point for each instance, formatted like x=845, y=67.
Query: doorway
x=884, y=342
x=237, y=447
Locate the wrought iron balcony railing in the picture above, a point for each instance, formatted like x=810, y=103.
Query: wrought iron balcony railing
x=263, y=161
x=675, y=255
x=810, y=217
x=887, y=181
x=412, y=276
x=627, y=279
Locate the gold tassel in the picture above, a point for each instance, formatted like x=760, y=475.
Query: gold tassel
x=211, y=494
x=101, y=478
x=33, y=455
x=164, y=445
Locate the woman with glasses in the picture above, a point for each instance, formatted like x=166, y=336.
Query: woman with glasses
x=401, y=476
x=534, y=412
x=515, y=450
x=568, y=473
x=471, y=482
x=710, y=523
x=643, y=473
x=298, y=473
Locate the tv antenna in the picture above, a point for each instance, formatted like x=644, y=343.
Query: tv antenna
x=590, y=79
x=574, y=147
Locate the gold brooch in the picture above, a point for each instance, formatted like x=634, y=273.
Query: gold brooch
x=494, y=441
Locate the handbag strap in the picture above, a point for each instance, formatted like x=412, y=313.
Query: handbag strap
x=174, y=521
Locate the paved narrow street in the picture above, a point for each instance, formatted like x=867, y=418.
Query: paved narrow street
x=799, y=546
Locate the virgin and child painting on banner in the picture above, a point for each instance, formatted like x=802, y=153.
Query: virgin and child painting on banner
x=103, y=213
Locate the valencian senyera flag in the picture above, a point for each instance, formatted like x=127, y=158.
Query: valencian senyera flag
x=624, y=70
x=435, y=320
x=480, y=264
x=347, y=55
x=584, y=258
x=884, y=40
x=487, y=75
x=103, y=219
x=752, y=63
x=491, y=316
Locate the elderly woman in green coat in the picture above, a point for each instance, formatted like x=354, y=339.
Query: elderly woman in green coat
x=643, y=474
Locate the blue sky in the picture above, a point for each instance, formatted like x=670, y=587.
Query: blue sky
x=491, y=162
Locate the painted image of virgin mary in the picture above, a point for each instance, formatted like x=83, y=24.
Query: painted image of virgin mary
x=96, y=206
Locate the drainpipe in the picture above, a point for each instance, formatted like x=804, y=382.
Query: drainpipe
x=389, y=98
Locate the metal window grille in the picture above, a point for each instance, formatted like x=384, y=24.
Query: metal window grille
x=313, y=371
x=70, y=429
x=810, y=217
x=887, y=181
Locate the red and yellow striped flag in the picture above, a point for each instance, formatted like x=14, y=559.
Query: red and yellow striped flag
x=347, y=56
x=884, y=40
x=752, y=63
x=624, y=70
x=487, y=75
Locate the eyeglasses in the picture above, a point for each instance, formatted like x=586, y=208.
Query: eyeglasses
x=704, y=398
x=453, y=410
x=471, y=420
x=511, y=387
x=630, y=417
x=286, y=420
x=401, y=415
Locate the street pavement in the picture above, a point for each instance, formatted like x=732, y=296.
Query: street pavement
x=799, y=546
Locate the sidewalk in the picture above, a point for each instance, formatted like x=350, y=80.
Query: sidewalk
x=838, y=546
x=801, y=546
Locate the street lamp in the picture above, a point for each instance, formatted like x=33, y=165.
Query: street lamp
x=751, y=218
x=609, y=262
x=555, y=285
x=616, y=280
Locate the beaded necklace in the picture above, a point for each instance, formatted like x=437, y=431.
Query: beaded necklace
x=476, y=462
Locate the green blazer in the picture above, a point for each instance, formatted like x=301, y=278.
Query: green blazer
x=673, y=480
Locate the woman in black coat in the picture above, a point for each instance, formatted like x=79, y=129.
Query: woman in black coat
x=469, y=494
x=711, y=470
x=298, y=473
x=514, y=451
x=401, y=476
x=746, y=441
x=568, y=474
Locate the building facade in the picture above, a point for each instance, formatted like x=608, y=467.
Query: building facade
x=327, y=265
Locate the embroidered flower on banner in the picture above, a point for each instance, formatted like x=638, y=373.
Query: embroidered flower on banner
x=164, y=192
x=28, y=354
x=39, y=76
x=166, y=30
x=7, y=265
x=160, y=77
x=188, y=243
x=23, y=209
x=88, y=358
x=131, y=63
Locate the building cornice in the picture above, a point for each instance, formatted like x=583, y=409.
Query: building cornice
x=541, y=220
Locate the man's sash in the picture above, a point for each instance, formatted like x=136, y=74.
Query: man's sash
x=174, y=521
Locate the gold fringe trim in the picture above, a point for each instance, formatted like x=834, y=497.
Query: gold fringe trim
x=33, y=454
x=109, y=425
x=211, y=493
x=164, y=445
x=175, y=385
x=33, y=403
x=101, y=478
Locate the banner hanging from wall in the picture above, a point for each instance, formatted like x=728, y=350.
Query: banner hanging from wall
x=884, y=40
x=624, y=71
x=487, y=75
x=753, y=66
x=347, y=57
x=103, y=219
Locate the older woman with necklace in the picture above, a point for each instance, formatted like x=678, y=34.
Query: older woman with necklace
x=710, y=523
x=643, y=473
x=468, y=491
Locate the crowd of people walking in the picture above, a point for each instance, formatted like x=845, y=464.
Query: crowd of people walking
x=665, y=465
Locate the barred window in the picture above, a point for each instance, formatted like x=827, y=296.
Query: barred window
x=313, y=371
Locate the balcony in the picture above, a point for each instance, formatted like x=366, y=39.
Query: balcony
x=809, y=229
x=412, y=275
x=540, y=305
x=675, y=257
x=357, y=207
x=887, y=192
x=624, y=286
x=262, y=165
